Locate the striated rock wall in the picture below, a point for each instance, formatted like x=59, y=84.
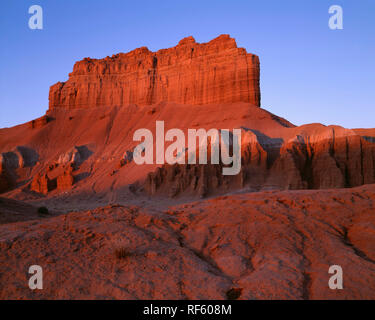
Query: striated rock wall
x=315, y=158
x=189, y=73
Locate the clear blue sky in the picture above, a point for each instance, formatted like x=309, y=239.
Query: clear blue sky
x=309, y=73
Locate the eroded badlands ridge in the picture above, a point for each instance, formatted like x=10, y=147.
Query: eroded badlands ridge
x=189, y=73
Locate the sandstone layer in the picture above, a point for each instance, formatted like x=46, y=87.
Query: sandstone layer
x=99, y=146
x=189, y=73
x=310, y=157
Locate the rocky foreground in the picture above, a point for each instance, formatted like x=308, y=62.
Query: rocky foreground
x=266, y=245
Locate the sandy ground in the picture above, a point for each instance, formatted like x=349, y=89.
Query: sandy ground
x=266, y=245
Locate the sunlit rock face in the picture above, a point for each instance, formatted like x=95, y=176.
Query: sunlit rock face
x=189, y=73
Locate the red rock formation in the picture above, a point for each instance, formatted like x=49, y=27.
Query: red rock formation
x=275, y=153
x=42, y=184
x=40, y=122
x=318, y=157
x=66, y=180
x=332, y=157
x=2, y=163
x=190, y=73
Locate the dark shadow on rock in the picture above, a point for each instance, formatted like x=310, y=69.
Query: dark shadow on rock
x=271, y=145
x=10, y=160
x=369, y=139
x=29, y=155
x=84, y=153
x=81, y=176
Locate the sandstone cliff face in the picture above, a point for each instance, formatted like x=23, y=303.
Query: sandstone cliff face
x=317, y=157
x=190, y=73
